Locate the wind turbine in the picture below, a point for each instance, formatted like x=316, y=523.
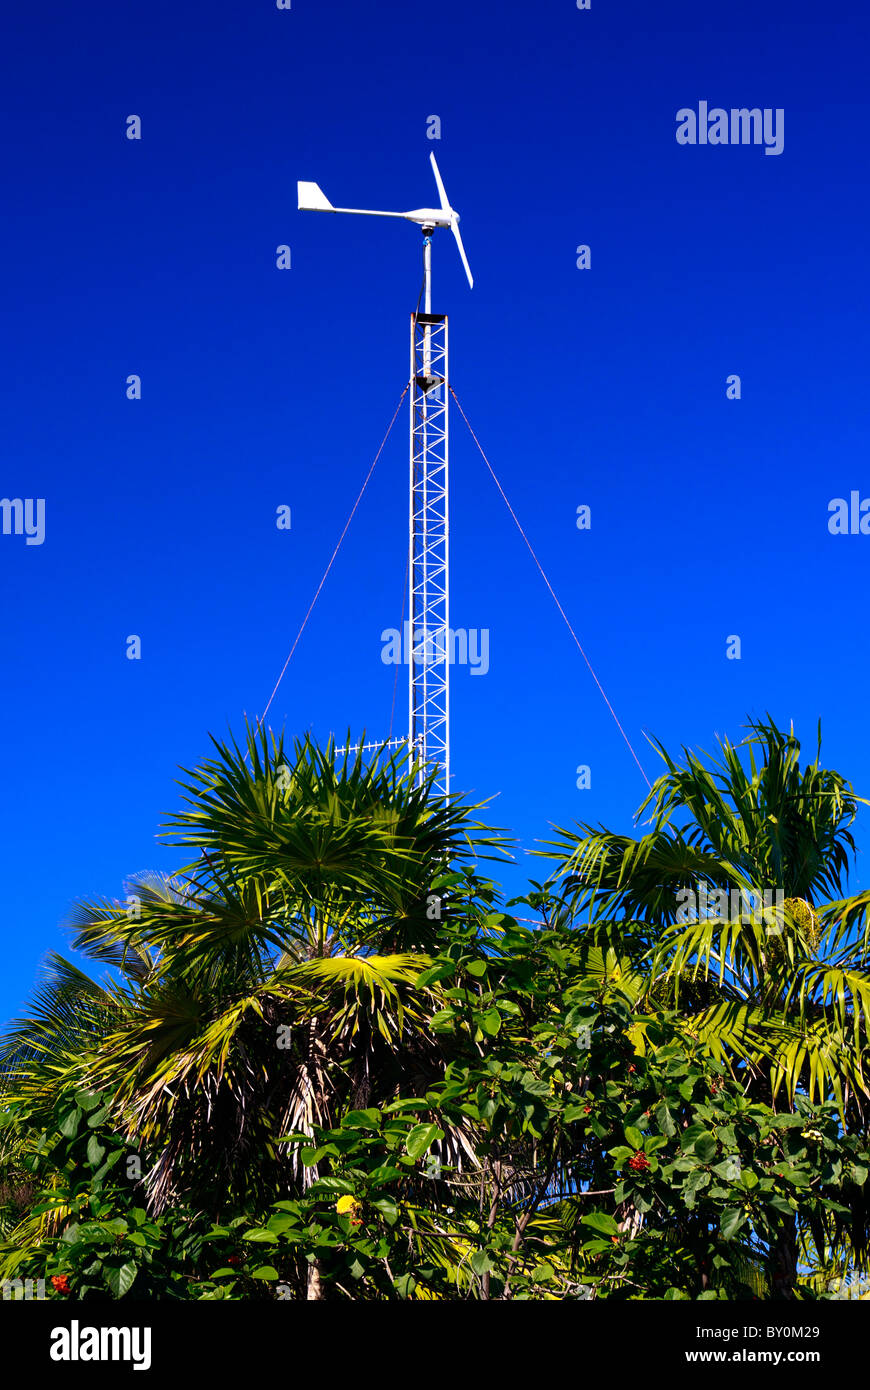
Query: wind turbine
x=427, y=636
x=312, y=199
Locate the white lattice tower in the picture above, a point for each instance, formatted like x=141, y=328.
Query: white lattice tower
x=427, y=636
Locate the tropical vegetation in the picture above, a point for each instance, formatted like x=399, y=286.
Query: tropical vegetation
x=327, y=1060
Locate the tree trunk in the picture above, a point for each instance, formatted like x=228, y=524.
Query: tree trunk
x=784, y=1258
x=315, y=1288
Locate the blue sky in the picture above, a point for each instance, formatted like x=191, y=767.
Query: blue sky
x=263, y=387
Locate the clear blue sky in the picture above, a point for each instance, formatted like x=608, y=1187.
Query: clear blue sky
x=263, y=387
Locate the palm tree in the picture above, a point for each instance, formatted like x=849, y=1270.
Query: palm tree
x=783, y=1000
x=272, y=982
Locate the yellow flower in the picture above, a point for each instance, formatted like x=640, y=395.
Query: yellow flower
x=347, y=1206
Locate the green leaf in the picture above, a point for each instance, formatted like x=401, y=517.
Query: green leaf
x=87, y=1100
x=535, y=1086
x=490, y=1022
x=653, y=1143
x=385, y=1173
x=792, y=1175
x=120, y=1279
x=726, y=1170
x=261, y=1236
x=310, y=1156
x=706, y=1148
x=600, y=1221
x=574, y=1112
x=690, y=1135
x=450, y=880
x=264, y=1272
x=331, y=1185
x=633, y=1137
x=621, y=1154
x=665, y=1122
x=388, y=1209
x=281, y=1223
x=442, y=1021
x=697, y=1179
x=69, y=1122
x=96, y=1151
x=421, y=1138
x=362, y=1119
x=781, y=1204
x=481, y=1263
x=731, y=1221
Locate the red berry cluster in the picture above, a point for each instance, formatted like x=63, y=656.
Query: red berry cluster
x=61, y=1283
x=639, y=1163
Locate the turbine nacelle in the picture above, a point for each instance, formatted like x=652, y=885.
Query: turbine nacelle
x=431, y=217
x=311, y=198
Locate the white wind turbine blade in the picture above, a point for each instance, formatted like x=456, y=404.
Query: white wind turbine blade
x=454, y=218
x=441, y=193
x=455, y=230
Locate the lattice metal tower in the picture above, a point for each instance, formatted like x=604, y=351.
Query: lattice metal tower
x=429, y=541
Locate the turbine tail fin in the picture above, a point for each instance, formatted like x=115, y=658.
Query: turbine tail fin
x=311, y=198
